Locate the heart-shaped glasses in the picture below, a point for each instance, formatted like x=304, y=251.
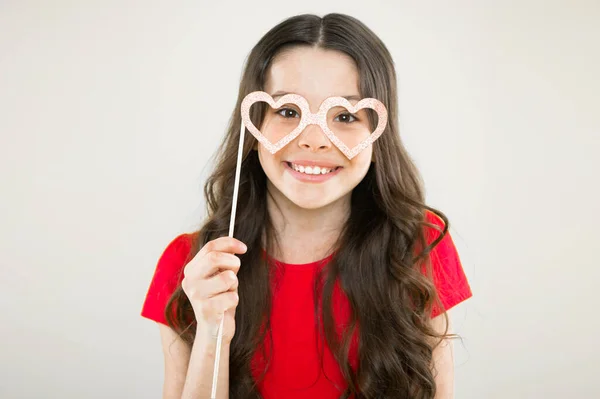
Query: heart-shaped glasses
x=292, y=114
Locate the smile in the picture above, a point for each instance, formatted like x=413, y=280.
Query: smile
x=312, y=170
x=315, y=174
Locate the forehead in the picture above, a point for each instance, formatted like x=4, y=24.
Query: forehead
x=314, y=73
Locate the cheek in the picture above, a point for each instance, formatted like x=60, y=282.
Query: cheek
x=267, y=160
x=261, y=154
x=362, y=161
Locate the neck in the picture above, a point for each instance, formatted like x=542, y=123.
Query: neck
x=305, y=235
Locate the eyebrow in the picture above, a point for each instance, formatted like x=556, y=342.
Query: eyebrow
x=280, y=93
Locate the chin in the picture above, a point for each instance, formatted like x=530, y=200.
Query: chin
x=313, y=203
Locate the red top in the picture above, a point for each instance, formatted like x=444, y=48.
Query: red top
x=295, y=370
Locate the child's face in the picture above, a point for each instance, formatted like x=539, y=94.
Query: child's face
x=315, y=74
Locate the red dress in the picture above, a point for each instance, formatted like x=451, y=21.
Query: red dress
x=295, y=370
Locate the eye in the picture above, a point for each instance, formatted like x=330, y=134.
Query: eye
x=346, y=118
x=288, y=113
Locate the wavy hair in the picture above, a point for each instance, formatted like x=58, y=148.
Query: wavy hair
x=382, y=248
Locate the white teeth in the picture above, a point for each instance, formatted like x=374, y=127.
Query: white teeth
x=311, y=170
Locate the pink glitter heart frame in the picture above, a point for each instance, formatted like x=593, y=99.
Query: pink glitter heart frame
x=308, y=118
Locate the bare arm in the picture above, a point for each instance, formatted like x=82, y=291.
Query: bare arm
x=443, y=361
x=210, y=283
x=189, y=373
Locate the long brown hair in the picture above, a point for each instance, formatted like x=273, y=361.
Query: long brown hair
x=384, y=235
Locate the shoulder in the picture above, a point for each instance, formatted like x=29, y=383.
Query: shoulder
x=446, y=266
x=168, y=274
x=434, y=226
x=437, y=229
x=178, y=250
x=175, y=256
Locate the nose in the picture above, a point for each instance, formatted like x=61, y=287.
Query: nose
x=313, y=139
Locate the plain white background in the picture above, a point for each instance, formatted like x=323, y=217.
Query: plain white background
x=110, y=111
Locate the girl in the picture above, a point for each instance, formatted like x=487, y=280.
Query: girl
x=337, y=285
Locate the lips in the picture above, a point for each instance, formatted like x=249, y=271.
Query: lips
x=311, y=178
x=325, y=164
x=312, y=170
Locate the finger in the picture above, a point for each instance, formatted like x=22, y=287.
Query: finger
x=224, y=244
x=225, y=281
x=215, y=262
x=211, y=264
x=217, y=305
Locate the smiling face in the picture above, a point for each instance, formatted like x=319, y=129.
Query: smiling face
x=310, y=171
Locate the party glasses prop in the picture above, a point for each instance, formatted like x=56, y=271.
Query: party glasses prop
x=345, y=125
